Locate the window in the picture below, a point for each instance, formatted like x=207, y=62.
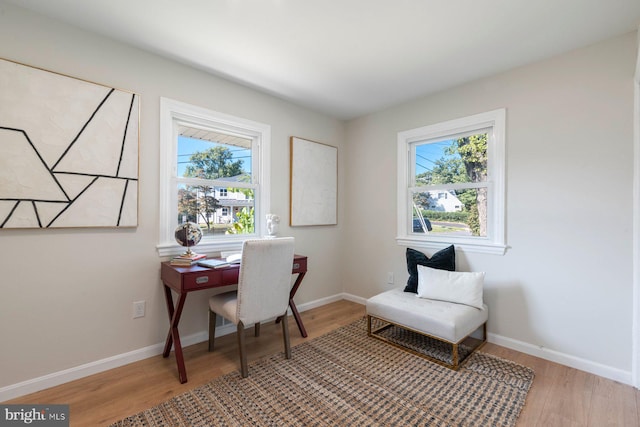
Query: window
x=214, y=172
x=451, y=184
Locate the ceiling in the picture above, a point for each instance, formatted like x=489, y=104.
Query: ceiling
x=347, y=58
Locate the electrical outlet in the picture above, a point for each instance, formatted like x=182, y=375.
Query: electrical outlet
x=138, y=309
x=390, y=278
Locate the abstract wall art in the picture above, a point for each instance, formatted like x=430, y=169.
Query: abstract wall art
x=68, y=151
x=314, y=183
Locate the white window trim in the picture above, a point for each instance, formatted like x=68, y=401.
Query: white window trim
x=495, y=243
x=171, y=112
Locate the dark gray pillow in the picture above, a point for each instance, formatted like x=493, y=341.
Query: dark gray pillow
x=444, y=259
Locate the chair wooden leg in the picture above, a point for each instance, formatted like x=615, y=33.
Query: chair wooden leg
x=212, y=329
x=257, y=329
x=244, y=370
x=285, y=335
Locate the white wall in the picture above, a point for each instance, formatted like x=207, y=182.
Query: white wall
x=564, y=287
x=66, y=295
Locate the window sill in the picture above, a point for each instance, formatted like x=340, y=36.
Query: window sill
x=232, y=245
x=482, y=246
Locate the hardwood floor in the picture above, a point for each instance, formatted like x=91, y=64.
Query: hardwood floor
x=560, y=396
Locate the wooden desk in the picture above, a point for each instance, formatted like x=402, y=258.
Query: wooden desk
x=183, y=280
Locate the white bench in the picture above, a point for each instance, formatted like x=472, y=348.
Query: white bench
x=446, y=322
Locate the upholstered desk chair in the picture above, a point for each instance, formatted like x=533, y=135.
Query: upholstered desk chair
x=264, y=283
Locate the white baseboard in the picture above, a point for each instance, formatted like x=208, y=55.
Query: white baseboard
x=56, y=378
x=595, y=368
x=354, y=298
x=71, y=374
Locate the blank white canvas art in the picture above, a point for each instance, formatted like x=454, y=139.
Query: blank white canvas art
x=68, y=151
x=314, y=183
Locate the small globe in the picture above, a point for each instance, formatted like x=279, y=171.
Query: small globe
x=188, y=234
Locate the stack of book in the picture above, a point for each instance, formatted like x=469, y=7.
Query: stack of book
x=185, y=260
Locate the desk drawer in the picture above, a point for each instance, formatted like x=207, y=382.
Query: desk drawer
x=299, y=265
x=185, y=279
x=209, y=278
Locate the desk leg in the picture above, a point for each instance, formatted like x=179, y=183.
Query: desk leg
x=173, y=337
x=293, y=307
x=169, y=300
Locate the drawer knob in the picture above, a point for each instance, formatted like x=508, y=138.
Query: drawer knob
x=202, y=279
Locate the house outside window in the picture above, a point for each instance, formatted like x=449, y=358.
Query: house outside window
x=451, y=177
x=214, y=172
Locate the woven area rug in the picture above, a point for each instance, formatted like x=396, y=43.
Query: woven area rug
x=346, y=378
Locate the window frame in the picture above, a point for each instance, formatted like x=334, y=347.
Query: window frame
x=495, y=241
x=172, y=114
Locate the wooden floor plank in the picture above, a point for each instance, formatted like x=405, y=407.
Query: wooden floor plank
x=571, y=396
x=613, y=404
x=559, y=396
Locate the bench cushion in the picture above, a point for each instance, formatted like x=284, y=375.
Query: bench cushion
x=445, y=320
